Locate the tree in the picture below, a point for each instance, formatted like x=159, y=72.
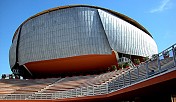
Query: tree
x=3, y=76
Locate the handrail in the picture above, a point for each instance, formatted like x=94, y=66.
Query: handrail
x=144, y=71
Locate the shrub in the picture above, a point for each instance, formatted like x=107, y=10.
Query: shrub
x=120, y=66
x=136, y=61
x=114, y=67
x=126, y=65
x=145, y=58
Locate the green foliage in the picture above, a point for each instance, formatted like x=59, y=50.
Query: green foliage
x=126, y=64
x=136, y=61
x=114, y=67
x=120, y=66
x=146, y=58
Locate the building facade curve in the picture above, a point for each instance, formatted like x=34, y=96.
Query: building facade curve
x=73, y=38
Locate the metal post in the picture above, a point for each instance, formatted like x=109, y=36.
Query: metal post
x=118, y=83
x=93, y=89
x=61, y=94
x=137, y=73
x=68, y=93
x=159, y=65
x=87, y=91
x=54, y=94
x=113, y=84
x=107, y=89
x=130, y=77
x=123, y=80
x=81, y=92
x=147, y=69
x=76, y=92
x=174, y=56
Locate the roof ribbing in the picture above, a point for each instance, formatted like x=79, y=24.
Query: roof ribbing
x=124, y=17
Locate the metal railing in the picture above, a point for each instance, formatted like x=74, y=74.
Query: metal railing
x=158, y=64
x=123, y=60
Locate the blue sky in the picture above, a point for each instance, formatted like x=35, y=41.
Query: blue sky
x=157, y=16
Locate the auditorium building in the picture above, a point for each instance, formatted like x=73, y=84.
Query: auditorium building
x=77, y=39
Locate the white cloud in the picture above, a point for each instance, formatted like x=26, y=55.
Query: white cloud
x=165, y=4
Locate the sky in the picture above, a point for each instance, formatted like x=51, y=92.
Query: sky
x=157, y=16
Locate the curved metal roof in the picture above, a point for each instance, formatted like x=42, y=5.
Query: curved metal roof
x=124, y=17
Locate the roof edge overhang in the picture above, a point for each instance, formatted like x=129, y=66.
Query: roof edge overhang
x=122, y=16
